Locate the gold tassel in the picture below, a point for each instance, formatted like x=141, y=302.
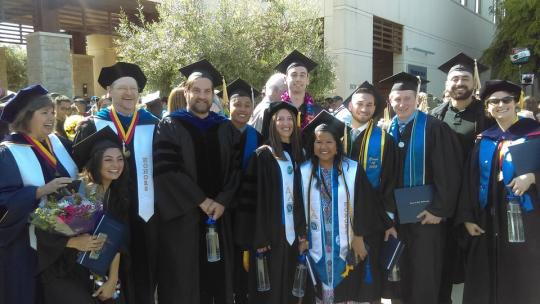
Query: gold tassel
x=225, y=101
x=345, y=140
x=298, y=121
x=348, y=268
x=521, y=101
x=476, y=79
x=245, y=260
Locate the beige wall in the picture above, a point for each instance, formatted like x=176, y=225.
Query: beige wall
x=3, y=69
x=83, y=73
x=101, y=48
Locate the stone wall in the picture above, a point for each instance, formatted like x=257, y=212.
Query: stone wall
x=49, y=61
x=83, y=73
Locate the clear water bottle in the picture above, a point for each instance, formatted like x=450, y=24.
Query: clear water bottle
x=299, y=286
x=263, y=280
x=212, y=241
x=393, y=275
x=516, y=233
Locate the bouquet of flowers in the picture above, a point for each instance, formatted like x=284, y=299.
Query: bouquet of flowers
x=68, y=213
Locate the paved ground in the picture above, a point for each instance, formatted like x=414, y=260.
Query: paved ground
x=457, y=294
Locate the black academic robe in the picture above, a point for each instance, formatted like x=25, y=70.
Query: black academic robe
x=243, y=216
x=422, y=259
x=384, y=198
x=190, y=165
x=467, y=124
x=142, y=235
x=368, y=223
x=265, y=177
x=499, y=272
x=18, y=261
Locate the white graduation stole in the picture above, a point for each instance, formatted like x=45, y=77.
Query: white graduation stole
x=144, y=167
x=27, y=162
x=287, y=183
x=315, y=221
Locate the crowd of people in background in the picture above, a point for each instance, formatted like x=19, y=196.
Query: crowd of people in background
x=224, y=199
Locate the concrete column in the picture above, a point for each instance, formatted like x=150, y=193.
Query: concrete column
x=102, y=49
x=83, y=75
x=3, y=68
x=49, y=61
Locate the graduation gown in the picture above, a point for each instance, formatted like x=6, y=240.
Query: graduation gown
x=142, y=240
x=193, y=159
x=421, y=262
x=383, y=179
x=243, y=214
x=499, y=272
x=361, y=284
x=18, y=261
x=269, y=229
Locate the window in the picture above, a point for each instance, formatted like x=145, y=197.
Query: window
x=387, y=35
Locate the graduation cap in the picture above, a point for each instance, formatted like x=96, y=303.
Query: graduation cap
x=462, y=62
x=296, y=59
x=110, y=74
x=104, y=138
x=205, y=68
x=20, y=100
x=273, y=109
x=150, y=97
x=404, y=81
x=240, y=88
x=335, y=125
x=366, y=87
x=492, y=86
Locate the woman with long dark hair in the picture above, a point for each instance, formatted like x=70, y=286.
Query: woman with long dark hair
x=342, y=221
x=104, y=176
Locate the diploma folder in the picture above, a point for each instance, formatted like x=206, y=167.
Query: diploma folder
x=412, y=201
x=526, y=156
x=99, y=262
x=391, y=252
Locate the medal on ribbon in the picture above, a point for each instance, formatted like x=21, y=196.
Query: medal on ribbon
x=125, y=136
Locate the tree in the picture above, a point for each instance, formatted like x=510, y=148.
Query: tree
x=16, y=68
x=517, y=26
x=242, y=38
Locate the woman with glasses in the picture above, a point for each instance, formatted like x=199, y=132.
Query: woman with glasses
x=499, y=208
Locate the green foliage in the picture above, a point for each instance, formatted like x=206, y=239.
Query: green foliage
x=242, y=38
x=16, y=67
x=518, y=26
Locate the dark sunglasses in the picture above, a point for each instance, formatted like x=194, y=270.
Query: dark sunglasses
x=505, y=100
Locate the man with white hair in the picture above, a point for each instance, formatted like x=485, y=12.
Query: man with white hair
x=274, y=87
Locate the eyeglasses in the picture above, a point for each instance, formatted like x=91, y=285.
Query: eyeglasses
x=505, y=100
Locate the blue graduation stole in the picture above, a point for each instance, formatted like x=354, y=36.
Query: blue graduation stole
x=415, y=160
x=488, y=148
x=250, y=146
x=371, y=153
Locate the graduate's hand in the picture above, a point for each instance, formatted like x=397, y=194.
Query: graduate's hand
x=216, y=210
x=428, y=218
x=303, y=245
x=263, y=250
x=390, y=232
x=205, y=205
x=359, y=247
x=521, y=184
x=85, y=242
x=106, y=290
x=473, y=229
x=52, y=186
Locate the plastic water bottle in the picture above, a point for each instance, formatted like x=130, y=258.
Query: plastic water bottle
x=393, y=275
x=263, y=280
x=212, y=241
x=299, y=286
x=516, y=233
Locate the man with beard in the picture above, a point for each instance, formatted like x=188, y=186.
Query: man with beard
x=196, y=177
x=62, y=107
x=465, y=115
x=296, y=66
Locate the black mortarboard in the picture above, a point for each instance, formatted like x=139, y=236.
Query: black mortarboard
x=335, y=125
x=204, y=67
x=380, y=102
x=20, y=100
x=110, y=74
x=7, y=98
x=403, y=81
x=492, y=86
x=104, y=138
x=461, y=62
x=240, y=88
x=273, y=109
x=296, y=59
